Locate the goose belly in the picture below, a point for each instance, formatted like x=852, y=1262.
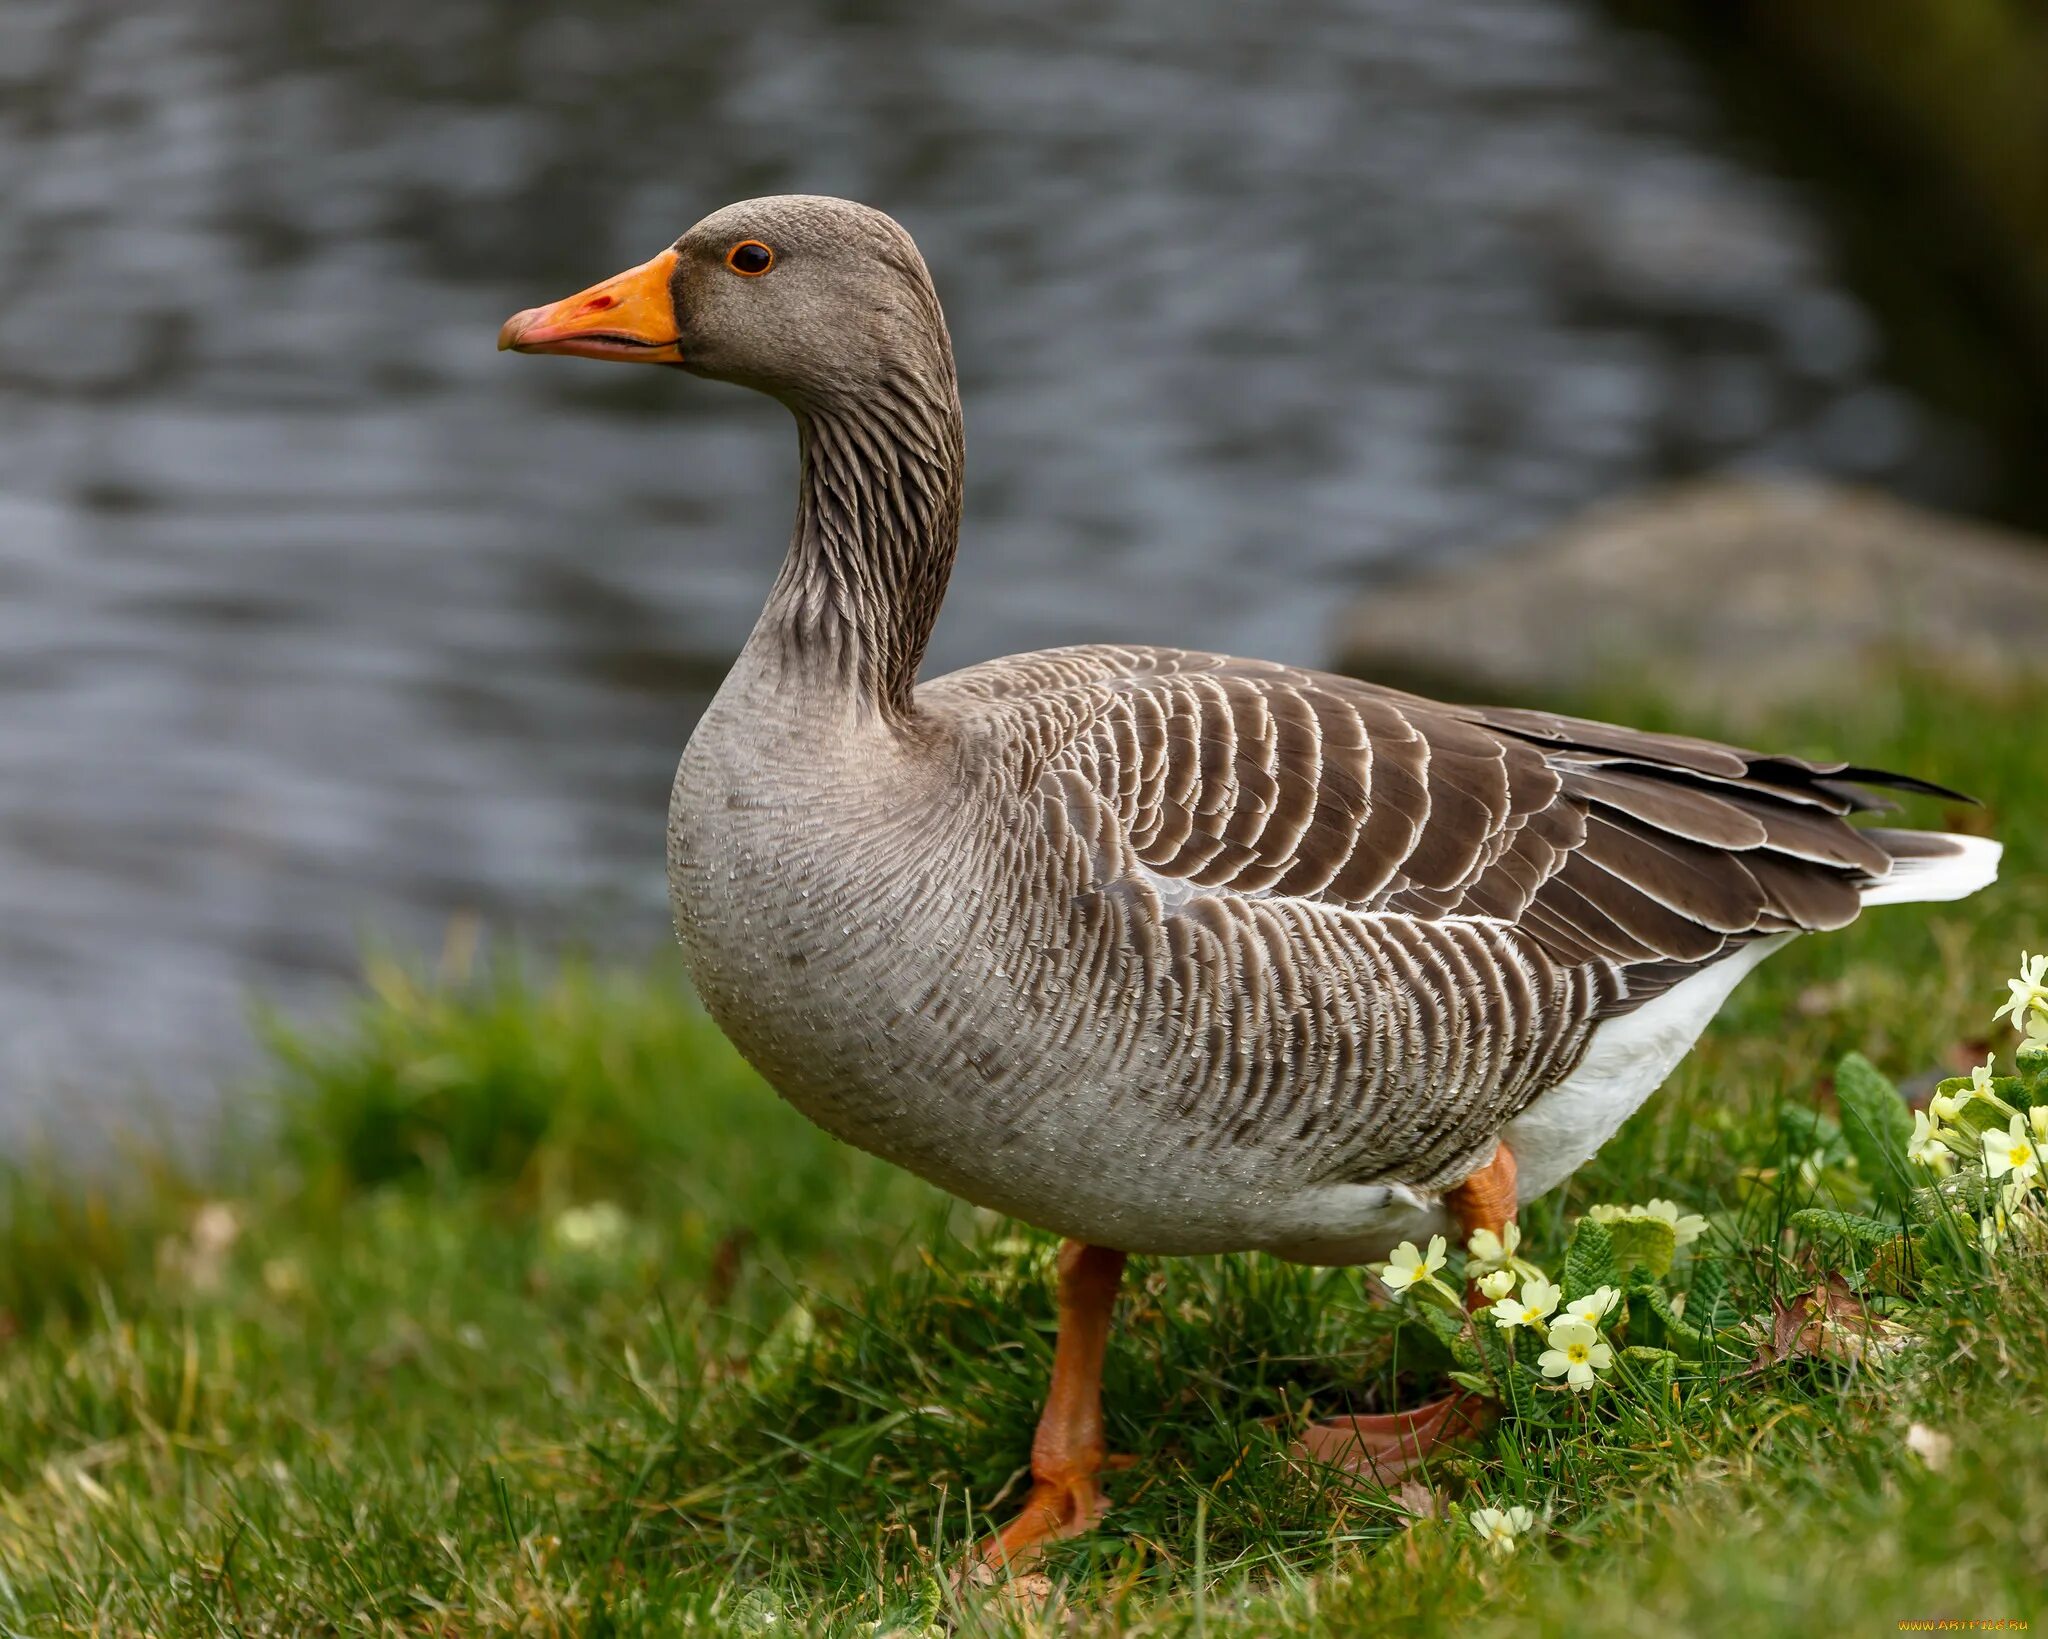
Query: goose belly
x=898, y=1020
x=1037, y=1131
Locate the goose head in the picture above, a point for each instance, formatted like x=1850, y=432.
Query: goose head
x=812, y=300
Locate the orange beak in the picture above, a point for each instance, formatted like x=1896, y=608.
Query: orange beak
x=631, y=316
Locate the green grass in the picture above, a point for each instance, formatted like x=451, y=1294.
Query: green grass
x=381, y=1370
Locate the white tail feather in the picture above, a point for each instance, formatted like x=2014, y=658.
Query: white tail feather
x=1965, y=865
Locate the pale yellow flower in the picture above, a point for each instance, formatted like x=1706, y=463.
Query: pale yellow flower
x=1593, y=1308
x=1993, y=1228
x=1688, y=1226
x=1538, y=1299
x=1499, y=1528
x=1490, y=1251
x=1945, y=1108
x=1925, y=1146
x=1984, y=1085
x=1576, y=1353
x=1406, y=1267
x=598, y=1227
x=1498, y=1284
x=1930, y=1445
x=2012, y=1151
x=2029, y=992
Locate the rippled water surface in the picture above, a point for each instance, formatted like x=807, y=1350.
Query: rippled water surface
x=320, y=618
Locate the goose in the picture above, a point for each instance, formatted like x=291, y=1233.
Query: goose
x=1170, y=953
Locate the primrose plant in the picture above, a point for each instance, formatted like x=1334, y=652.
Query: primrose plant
x=1886, y=1208
x=1983, y=1137
x=1529, y=1337
x=1975, y=1160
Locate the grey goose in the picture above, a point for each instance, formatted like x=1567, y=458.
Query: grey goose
x=1169, y=952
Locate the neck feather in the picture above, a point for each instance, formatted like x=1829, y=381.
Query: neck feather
x=877, y=526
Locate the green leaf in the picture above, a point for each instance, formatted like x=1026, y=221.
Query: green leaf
x=1688, y=1339
x=1635, y=1318
x=2032, y=1058
x=1454, y=1334
x=1709, y=1287
x=1848, y=1226
x=1589, y=1263
x=1477, y=1382
x=1643, y=1243
x=1877, y=1125
x=1707, y=1299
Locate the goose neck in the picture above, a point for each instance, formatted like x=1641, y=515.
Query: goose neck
x=877, y=527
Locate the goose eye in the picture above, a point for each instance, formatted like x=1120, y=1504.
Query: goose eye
x=750, y=257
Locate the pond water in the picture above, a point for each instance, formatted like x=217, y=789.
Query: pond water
x=320, y=620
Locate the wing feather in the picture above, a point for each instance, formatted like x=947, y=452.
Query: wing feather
x=1434, y=904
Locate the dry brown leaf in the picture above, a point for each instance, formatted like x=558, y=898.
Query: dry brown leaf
x=1418, y=1500
x=1386, y=1446
x=1827, y=1322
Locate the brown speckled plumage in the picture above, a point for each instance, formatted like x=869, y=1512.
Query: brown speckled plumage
x=1170, y=951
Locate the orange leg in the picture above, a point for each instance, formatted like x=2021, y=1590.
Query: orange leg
x=1486, y=1200
x=1067, y=1452
x=1385, y=1446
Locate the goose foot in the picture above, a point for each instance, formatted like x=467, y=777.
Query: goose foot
x=1055, y=1510
x=1384, y=1446
x=1067, y=1452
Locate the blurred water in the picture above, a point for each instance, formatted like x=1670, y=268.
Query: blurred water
x=318, y=616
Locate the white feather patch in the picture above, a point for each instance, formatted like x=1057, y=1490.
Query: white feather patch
x=1956, y=875
x=1628, y=1060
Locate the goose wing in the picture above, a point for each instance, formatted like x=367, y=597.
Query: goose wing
x=1384, y=925
x=1599, y=843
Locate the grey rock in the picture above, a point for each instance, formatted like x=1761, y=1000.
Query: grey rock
x=1732, y=595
